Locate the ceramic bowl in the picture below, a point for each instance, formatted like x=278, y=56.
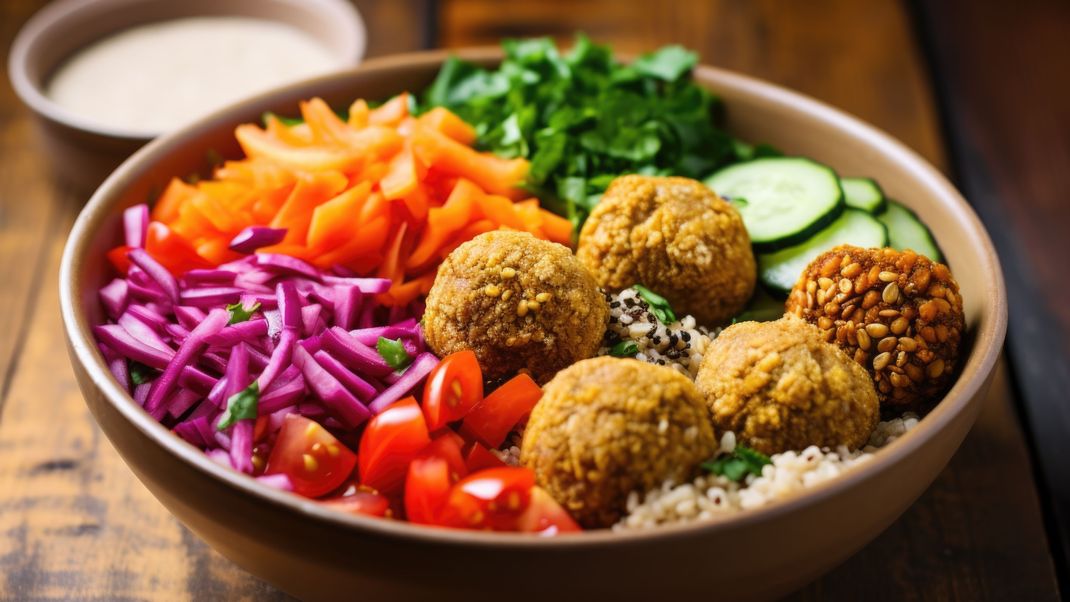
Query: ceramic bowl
x=315, y=553
x=83, y=152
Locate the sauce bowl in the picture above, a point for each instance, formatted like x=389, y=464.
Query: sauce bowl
x=316, y=553
x=82, y=152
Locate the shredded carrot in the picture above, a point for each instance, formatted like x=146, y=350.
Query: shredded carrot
x=380, y=192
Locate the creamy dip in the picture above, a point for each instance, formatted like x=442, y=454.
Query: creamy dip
x=155, y=77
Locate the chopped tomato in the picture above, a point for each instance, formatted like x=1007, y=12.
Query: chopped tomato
x=453, y=388
x=313, y=459
x=489, y=499
x=430, y=477
x=427, y=488
x=499, y=412
x=390, y=442
x=361, y=502
x=448, y=447
x=260, y=428
x=480, y=457
x=119, y=260
x=545, y=516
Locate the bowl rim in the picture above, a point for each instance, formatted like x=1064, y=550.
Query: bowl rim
x=60, y=12
x=980, y=363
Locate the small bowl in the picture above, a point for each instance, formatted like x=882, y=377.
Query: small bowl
x=82, y=152
x=315, y=553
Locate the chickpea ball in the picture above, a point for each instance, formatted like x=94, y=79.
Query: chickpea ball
x=896, y=313
x=676, y=237
x=520, y=303
x=606, y=427
x=780, y=386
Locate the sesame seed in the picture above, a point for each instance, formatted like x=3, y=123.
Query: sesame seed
x=508, y=273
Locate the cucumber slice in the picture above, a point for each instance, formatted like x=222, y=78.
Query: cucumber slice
x=783, y=200
x=779, y=271
x=864, y=194
x=906, y=231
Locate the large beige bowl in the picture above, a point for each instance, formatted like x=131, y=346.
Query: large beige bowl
x=316, y=553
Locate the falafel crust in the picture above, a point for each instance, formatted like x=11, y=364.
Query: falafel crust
x=898, y=314
x=518, y=302
x=780, y=386
x=608, y=426
x=675, y=236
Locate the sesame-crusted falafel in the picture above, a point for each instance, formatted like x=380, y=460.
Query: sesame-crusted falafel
x=896, y=313
x=675, y=236
x=780, y=386
x=518, y=302
x=606, y=427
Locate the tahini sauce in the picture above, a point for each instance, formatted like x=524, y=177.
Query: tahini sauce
x=155, y=77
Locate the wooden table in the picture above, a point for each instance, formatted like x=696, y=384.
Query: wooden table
x=75, y=523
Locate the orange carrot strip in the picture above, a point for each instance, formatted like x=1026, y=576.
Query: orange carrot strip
x=557, y=228
x=444, y=221
x=257, y=144
x=402, y=177
x=269, y=203
x=443, y=120
x=493, y=174
x=359, y=114
x=331, y=221
x=296, y=213
x=391, y=112
x=169, y=203
x=365, y=240
x=500, y=210
x=404, y=293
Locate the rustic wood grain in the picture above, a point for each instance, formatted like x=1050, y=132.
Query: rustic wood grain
x=75, y=523
x=1006, y=105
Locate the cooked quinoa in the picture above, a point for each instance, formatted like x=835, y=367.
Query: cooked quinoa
x=679, y=345
x=710, y=496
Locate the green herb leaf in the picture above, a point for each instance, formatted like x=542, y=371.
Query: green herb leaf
x=659, y=305
x=738, y=464
x=668, y=63
x=239, y=313
x=582, y=119
x=241, y=406
x=393, y=353
x=140, y=373
x=624, y=349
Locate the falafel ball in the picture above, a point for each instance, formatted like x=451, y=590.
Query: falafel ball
x=898, y=314
x=606, y=427
x=676, y=237
x=780, y=386
x=518, y=302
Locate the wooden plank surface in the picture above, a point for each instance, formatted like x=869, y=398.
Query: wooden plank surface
x=1009, y=120
x=75, y=523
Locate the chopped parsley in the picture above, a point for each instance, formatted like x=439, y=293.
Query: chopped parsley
x=624, y=349
x=738, y=464
x=140, y=373
x=241, y=406
x=582, y=118
x=239, y=313
x=393, y=353
x=659, y=305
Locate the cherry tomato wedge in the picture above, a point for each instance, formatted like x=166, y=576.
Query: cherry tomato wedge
x=390, y=442
x=313, y=459
x=489, y=499
x=361, y=502
x=427, y=487
x=480, y=457
x=172, y=250
x=453, y=388
x=119, y=260
x=545, y=516
x=498, y=413
x=448, y=447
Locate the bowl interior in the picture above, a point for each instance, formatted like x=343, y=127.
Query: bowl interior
x=62, y=28
x=756, y=111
